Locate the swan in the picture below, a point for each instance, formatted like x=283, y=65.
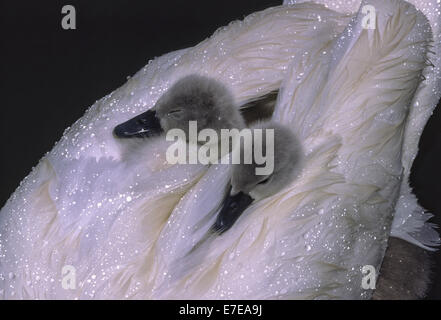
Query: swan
x=111, y=260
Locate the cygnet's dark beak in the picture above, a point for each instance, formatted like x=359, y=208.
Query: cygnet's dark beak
x=142, y=126
x=232, y=208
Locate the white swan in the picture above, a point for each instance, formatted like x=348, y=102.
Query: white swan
x=118, y=252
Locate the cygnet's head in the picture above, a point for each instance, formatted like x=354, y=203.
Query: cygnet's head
x=192, y=98
x=247, y=186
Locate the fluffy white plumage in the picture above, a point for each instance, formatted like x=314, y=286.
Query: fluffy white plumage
x=124, y=223
x=410, y=219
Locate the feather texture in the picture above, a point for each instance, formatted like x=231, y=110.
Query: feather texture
x=128, y=221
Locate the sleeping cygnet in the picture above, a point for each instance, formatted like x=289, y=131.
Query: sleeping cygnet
x=247, y=186
x=192, y=98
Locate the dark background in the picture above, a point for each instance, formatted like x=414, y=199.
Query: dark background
x=50, y=76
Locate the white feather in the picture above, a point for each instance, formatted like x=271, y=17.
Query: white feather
x=308, y=241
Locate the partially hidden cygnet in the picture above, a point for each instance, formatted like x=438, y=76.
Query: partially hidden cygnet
x=247, y=186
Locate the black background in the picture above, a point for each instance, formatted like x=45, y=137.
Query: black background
x=50, y=76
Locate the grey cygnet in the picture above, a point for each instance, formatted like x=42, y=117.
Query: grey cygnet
x=191, y=98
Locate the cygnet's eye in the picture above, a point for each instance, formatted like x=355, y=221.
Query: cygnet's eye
x=175, y=114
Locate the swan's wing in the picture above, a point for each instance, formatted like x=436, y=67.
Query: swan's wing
x=410, y=219
x=369, y=94
x=366, y=101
